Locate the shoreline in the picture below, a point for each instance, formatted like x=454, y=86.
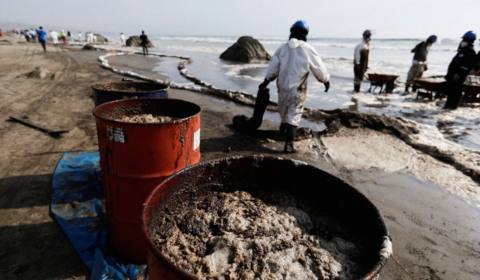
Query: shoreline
x=416, y=135
x=433, y=231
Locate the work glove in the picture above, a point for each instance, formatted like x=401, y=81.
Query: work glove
x=263, y=85
x=327, y=86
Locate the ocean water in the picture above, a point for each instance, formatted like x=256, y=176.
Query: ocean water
x=388, y=56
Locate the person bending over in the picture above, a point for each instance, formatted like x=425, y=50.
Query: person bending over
x=419, y=63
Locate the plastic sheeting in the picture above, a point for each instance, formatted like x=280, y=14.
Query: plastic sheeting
x=77, y=195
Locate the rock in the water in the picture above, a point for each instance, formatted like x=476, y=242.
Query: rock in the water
x=134, y=41
x=246, y=49
x=101, y=39
x=38, y=73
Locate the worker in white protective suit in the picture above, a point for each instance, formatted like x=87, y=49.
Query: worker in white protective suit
x=290, y=65
x=54, y=36
x=123, y=41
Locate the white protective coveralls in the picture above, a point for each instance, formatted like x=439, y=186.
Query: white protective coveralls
x=291, y=64
x=88, y=37
x=54, y=35
x=122, y=40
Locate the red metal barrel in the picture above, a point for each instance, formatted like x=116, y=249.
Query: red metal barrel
x=307, y=185
x=136, y=157
x=106, y=92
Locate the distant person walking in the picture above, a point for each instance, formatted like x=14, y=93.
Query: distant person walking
x=33, y=35
x=419, y=63
x=360, y=60
x=54, y=36
x=17, y=33
x=458, y=70
x=42, y=38
x=70, y=38
x=64, y=37
x=89, y=36
x=123, y=41
x=26, y=33
x=144, y=43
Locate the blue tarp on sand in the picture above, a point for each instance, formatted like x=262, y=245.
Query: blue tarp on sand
x=77, y=194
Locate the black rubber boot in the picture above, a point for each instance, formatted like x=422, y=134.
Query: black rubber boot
x=289, y=148
x=356, y=88
x=406, y=88
x=283, y=129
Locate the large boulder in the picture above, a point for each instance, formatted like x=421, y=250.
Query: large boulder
x=134, y=41
x=101, y=39
x=246, y=49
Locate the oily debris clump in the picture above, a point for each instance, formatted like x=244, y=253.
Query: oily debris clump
x=145, y=118
x=222, y=235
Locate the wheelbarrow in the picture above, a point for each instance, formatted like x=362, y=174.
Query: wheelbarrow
x=472, y=89
x=433, y=87
x=382, y=80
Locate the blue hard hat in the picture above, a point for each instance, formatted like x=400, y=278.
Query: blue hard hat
x=300, y=23
x=367, y=33
x=470, y=35
x=432, y=38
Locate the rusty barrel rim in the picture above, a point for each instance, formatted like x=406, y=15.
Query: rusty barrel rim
x=143, y=100
x=161, y=87
x=184, y=275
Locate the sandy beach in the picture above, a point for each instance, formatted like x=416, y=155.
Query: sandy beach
x=432, y=208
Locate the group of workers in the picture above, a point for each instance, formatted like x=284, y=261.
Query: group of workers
x=293, y=61
x=460, y=67
x=32, y=35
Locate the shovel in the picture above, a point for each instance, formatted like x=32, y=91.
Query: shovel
x=54, y=133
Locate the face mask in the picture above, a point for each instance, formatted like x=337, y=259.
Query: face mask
x=463, y=44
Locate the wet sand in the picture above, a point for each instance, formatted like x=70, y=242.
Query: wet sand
x=435, y=233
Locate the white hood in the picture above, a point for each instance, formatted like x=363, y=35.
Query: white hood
x=295, y=43
x=291, y=62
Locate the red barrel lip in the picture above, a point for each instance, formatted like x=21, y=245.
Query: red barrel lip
x=176, y=270
x=146, y=124
x=181, y=273
x=165, y=87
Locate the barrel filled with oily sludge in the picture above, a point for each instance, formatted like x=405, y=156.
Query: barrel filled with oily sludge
x=142, y=142
x=261, y=217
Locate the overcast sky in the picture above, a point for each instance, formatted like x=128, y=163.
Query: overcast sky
x=334, y=18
